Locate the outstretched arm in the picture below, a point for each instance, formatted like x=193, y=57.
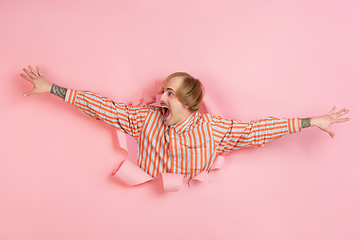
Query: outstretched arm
x=128, y=119
x=41, y=84
x=324, y=122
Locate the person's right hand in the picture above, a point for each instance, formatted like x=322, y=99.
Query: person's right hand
x=40, y=84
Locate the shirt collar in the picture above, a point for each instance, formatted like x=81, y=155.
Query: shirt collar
x=184, y=125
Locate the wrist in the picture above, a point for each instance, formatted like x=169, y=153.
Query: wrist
x=315, y=121
x=306, y=122
x=49, y=87
x=58, y=91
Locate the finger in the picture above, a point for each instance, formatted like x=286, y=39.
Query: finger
x=340, y=120
x=26, y=77
x=345, y=111
x=342, y=112
x=332, y=110
x=30, y=74
x=38, y=70
x=32, y=70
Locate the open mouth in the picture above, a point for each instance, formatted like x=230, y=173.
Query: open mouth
x=165, y=111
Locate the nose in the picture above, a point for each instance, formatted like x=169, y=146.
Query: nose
x=163, y=98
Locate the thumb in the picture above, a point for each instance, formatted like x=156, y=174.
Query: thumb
x=331, y=133
x=28, y=93
x=328, y=130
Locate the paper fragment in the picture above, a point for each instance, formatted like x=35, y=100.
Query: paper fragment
x=130, y=174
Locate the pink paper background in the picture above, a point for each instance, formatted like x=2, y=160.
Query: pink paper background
x=255, y=58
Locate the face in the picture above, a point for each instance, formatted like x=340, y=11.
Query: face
x=174, y=112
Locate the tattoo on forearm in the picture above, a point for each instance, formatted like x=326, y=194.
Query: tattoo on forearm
x=305, y=122
x=58, y=91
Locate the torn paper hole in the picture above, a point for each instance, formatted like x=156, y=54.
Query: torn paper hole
x=130, y=174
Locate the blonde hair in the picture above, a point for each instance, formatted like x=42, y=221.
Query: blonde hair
x=190, y=92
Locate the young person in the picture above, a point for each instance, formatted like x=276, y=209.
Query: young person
x=174, y=137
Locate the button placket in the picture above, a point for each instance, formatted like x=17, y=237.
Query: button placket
x=168, y=142
x=172, y=149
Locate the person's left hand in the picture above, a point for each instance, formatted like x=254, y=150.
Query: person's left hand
x=324, y=122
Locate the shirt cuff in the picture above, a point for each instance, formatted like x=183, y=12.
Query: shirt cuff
x=70, y=96
x=294, y=125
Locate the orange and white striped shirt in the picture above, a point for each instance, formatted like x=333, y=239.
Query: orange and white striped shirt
x=187, y=148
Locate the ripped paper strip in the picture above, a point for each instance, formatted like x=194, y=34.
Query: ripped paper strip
x=131, y=174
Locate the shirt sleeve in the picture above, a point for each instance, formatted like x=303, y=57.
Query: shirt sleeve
x=233, y=134
x=128, y=119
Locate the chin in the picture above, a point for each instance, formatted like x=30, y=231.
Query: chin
x=167, y=123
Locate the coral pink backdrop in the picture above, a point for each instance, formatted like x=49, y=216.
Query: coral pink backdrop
x=255, y=58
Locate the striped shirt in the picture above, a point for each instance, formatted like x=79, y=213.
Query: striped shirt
x=187, y=148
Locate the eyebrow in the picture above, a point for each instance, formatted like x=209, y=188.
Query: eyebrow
x=169, y=89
